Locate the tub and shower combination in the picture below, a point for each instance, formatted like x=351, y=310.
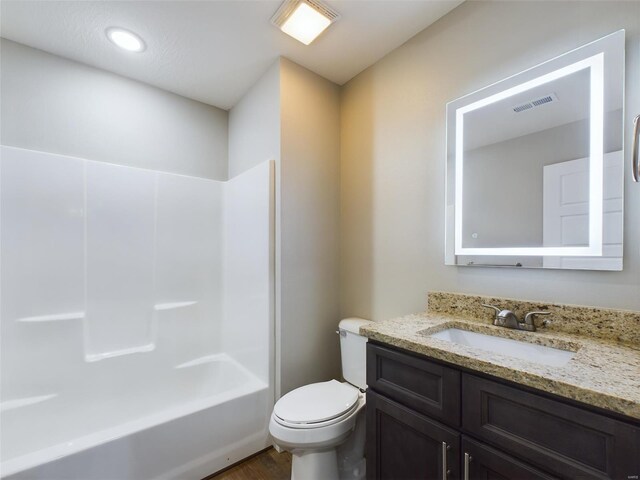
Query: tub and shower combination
x=136, y=319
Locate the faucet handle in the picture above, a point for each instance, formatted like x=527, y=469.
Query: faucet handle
x=486, y=305
x=496, y=319
x=530, y=317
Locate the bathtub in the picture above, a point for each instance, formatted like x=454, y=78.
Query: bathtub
x=205, y=415
x=136, y=319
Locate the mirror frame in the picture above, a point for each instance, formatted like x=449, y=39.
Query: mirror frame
x=590, y=56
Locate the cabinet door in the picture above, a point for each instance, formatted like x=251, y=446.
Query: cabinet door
x=481, y=462
x=567, y=441
x=420, y=384
x=405, y=445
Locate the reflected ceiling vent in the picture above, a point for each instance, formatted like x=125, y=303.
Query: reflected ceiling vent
x=543, y=100
x=523, y=107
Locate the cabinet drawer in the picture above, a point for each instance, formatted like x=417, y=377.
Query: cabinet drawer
x=420, y=384
x=402, y=444
x=481, y=462
x=567, y=441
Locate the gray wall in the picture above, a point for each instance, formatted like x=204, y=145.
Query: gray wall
x=300, y=129
x=393, y=156
x=503, y=195
x=56, y=105
x=254, y=124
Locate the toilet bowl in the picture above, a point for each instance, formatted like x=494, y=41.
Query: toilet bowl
x=322, y=424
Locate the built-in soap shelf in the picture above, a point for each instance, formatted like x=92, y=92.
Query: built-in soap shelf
x=56, y=317
x=61, y=317
x=96, y=357
x=159, y=307
x=217, y=357
x=7, y=405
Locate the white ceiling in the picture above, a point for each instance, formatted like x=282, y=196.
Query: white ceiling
x=213, y=51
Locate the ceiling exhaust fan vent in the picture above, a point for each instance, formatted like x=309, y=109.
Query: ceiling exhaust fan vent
x=552, y=97
x=288, y=6
x=327, y=11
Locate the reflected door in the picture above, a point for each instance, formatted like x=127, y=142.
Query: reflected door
x=566, y=212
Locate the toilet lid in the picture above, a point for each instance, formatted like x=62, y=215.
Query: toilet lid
x=316, y=402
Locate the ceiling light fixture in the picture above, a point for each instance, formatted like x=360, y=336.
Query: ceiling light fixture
x=304, y=20
x=125, y=39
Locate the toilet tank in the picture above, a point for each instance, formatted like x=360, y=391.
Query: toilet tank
x=353, y=350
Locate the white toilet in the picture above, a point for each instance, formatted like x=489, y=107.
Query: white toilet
x=322, y=424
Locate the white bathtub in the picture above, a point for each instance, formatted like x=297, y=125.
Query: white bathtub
x=136, y=319
x=204, y=415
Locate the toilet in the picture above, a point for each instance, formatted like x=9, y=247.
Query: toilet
x=322, y=424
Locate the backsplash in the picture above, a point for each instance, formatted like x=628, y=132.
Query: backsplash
x=610, y=324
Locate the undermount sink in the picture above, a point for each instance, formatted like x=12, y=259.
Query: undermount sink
x=531, y=352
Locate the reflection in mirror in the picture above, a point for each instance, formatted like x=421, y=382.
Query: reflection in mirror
x=534, y=165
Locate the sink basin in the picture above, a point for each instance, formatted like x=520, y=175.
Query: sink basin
x=531, y=352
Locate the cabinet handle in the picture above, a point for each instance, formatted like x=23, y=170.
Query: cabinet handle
x=467, y=459
x=635, y=161
x=444, y=460
x=445, y=447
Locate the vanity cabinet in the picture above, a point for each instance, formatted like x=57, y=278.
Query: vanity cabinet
x=427, y=420
x=408, y=445
x=425, y=387
x=569, y=441
x=484, y=462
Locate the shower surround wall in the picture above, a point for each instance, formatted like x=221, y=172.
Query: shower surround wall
x=127, y=299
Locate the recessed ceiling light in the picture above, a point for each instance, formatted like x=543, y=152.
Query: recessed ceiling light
x=125, y=39
x=304, y=20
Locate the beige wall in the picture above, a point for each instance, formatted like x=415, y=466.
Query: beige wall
x=393, y=156
x=293, y=116
x=56, y=105
x=310, y=213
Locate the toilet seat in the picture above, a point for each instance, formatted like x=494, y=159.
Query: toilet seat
x=316, y=405
x=324, y=423
x=300, y=437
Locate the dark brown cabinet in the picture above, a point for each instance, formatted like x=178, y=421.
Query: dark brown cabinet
x=424, y=386
x=567, y=441
x=405, y=445
x=423, y=416
x=486, y=463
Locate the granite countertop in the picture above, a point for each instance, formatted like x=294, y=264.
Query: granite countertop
x=604, y=372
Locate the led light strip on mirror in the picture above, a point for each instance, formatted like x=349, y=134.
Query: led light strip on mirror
x=595, y=64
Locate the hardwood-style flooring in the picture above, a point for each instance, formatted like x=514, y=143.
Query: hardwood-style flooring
x=266, y=465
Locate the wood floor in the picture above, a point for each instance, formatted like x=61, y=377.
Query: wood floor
x=266, y=465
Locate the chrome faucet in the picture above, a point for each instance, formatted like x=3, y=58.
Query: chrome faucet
x=508, y=319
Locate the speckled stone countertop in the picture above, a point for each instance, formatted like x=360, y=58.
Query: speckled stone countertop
x=604, y=372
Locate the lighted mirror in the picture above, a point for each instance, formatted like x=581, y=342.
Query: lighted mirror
x=535, y=165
